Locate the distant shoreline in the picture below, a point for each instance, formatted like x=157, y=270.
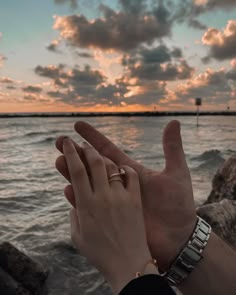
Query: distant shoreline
x=117, y=114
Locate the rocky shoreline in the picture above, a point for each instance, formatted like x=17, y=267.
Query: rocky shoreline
x=220, y=208
x=20, y=275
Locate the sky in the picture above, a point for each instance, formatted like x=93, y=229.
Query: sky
x=117, y=55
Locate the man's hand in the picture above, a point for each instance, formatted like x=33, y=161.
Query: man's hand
x=167, y=195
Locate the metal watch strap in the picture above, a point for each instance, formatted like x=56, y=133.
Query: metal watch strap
x=190, y=255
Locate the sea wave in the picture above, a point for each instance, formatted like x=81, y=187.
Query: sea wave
x=209, y=155
x=40, y=133
x=209, y=159
x=45, y=140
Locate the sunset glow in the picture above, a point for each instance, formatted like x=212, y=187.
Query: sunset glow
x=115, y=56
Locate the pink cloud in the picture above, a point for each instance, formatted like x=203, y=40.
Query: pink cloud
x=233, y=63
x=221, y=44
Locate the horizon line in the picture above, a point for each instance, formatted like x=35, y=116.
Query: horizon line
x=128, y=113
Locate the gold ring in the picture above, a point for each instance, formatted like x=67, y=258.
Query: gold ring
x=116, y=179
x=113, y=175
x=121, y=172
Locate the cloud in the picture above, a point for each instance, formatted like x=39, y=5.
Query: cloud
x=80, y=86
x=159, y=63
x=194, y=23
x=73, y=3
x=187, y=11
x=122, y=30
x=32, y=89
x=222, y=44
x=30, y=97
x=163, y=72
x=213, y=86
x=233, y=63
x=176, y=53
x=9, y=83
x=158, y=54
x=88, y=87
x=10, y=87
x=146, y=92
x=53, y=46
x=206, y=5
x=6, y=80
x=231, y=75
x=85, y=55
x=50, y=71
x=133, y=6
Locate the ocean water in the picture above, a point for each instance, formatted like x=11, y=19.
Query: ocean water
x=33, y=210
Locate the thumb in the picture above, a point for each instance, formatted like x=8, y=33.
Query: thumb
x=173, y=148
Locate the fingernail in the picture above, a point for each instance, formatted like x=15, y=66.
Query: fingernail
x=66, y=139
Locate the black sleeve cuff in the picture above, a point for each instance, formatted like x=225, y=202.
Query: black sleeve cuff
x=148, y=285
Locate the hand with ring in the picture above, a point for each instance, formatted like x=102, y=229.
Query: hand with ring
x=107, y=224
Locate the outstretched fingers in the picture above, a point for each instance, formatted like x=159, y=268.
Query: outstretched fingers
x=59, y=145
x=104, y=146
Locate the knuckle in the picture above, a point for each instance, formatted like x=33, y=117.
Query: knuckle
x=79, y=171
x=97, y=161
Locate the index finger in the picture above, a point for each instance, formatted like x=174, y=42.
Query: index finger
x=104, y=146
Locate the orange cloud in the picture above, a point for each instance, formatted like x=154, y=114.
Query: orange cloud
x=213, y=86
x=222, y=44
x=109, y=63
x=200, y=2
x=233, y=63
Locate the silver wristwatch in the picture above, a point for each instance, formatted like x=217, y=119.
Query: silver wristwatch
x=190, y=255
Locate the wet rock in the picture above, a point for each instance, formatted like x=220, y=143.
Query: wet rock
x=224, y=182
x=9, y=286
x=23, y=270
x=222, y=217
x=220, y=208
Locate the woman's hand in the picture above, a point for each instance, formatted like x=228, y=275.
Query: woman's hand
x=107, y=224
x=167, y=195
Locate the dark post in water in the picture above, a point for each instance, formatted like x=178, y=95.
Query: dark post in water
x=198, y=103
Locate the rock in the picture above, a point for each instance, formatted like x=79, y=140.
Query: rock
x=224, y=182
x=220, y=208
x=222, y=217
x=9, y=286
x=22, y=269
